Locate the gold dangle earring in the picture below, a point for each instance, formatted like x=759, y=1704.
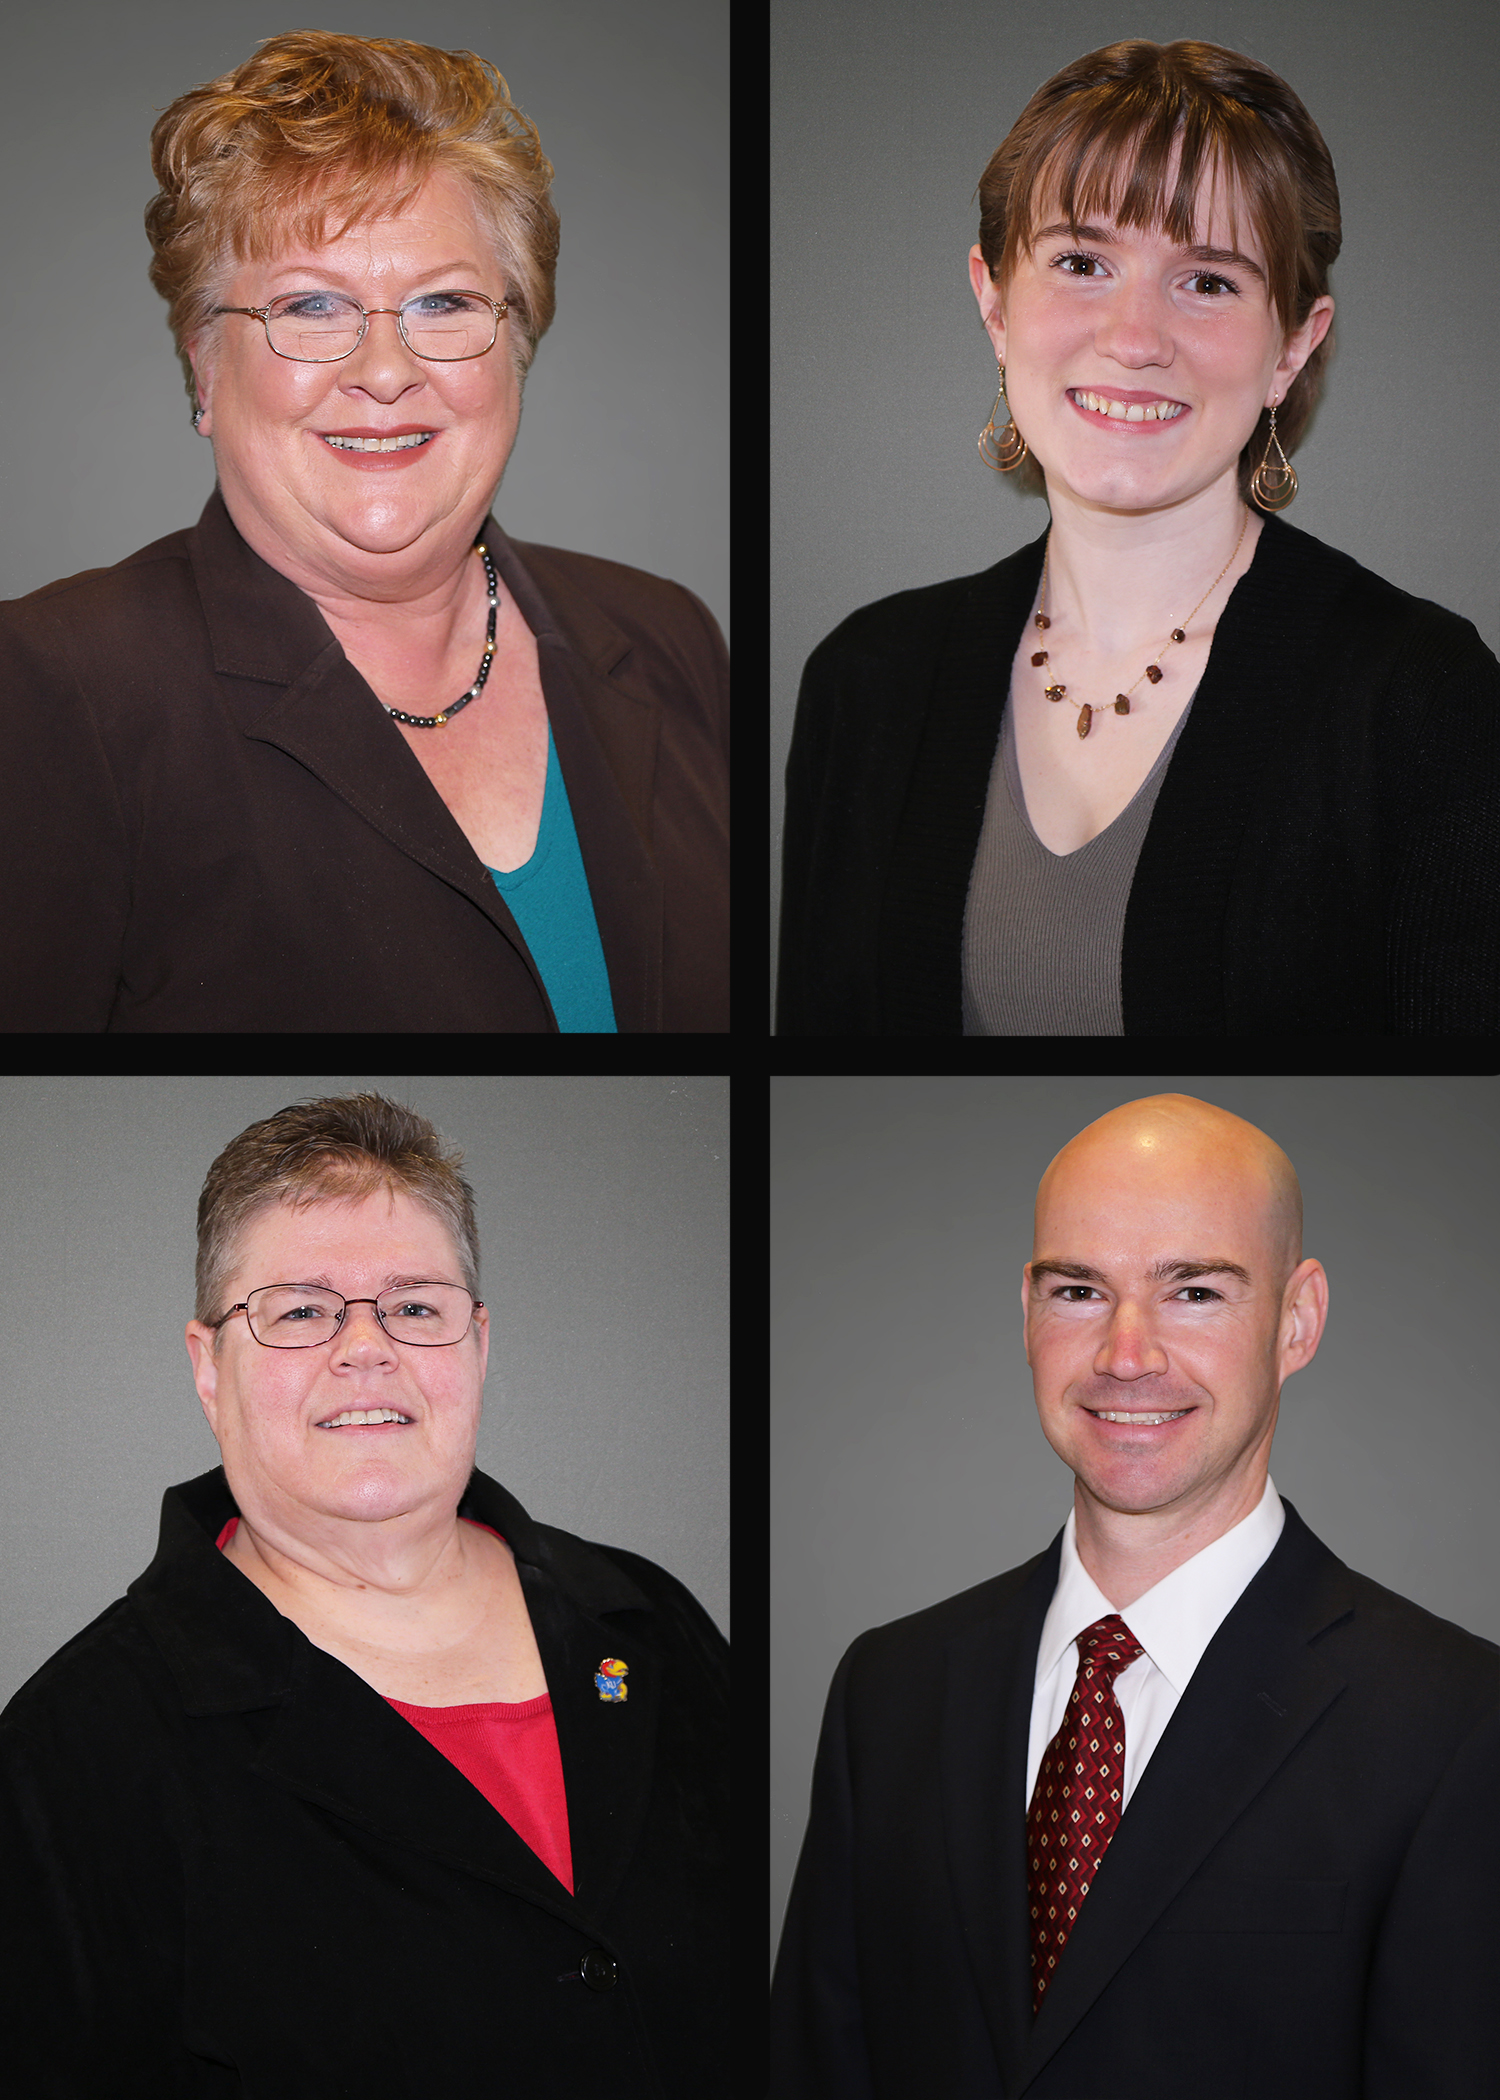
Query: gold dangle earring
x=1273, y=487
x=1006, y=452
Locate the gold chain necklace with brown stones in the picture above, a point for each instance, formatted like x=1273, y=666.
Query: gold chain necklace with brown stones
x=1152, y=671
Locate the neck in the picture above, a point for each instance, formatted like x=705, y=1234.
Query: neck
x=1120, y=581
x=1126, y=1553
x=342, y=1567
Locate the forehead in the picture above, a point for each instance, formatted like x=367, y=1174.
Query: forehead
x=441, y=215
x=371, y=1233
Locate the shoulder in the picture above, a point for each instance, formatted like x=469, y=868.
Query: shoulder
x=110, y=1676
x=906, y=1650
x=1431, y=1658
x=912, y=623
x=605, y=1579
x=123, y=616
x=1364, y=612
x=160, y=570
x=661, y=619
x=1435, y=1672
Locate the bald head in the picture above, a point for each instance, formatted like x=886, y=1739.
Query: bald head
x=1180, y=1150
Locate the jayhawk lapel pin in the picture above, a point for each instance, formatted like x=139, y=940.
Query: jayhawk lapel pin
x=610, y=1678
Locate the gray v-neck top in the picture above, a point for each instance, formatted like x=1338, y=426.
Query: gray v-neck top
x=1043, y=930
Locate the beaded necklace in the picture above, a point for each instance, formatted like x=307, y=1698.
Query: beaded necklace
x=1152, y=671
x=437, y=721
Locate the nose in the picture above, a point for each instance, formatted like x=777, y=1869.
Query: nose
x=1130, y=1348
x=1135, y=329
x=362, y=1333
x=383, y=364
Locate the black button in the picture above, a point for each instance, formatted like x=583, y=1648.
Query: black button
x=599, y=1970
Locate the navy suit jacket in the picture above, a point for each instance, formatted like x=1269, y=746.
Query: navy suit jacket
x=1301, y=1898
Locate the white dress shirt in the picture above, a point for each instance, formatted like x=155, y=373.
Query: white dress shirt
x=1174, y=1623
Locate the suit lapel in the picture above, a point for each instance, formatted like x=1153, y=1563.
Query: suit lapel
x=989, y=1675
x=265, y=633
x=606, y=727
x=337, y=1742
x=1256, y=1693
x=606, y=1744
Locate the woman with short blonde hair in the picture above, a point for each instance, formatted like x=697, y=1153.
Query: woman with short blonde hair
x=344, y=755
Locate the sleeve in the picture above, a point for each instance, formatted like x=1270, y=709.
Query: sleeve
x=818, y=2046
x=1430, y=2031
x=91, y=1942
x=1443, y=954
x=64, y=852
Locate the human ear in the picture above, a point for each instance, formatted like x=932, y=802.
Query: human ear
x=988, y=296
x=1299, y=347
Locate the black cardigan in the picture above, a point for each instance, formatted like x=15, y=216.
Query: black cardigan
x=1323, y=857
x=228, y=1866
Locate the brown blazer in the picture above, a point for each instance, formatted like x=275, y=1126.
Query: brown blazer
x=209, y=824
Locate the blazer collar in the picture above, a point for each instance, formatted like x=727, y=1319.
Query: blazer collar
x=1259, y=1688
x=336, y=1741
x=288, y=683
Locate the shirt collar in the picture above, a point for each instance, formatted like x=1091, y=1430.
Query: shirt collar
x=1174, y=1621
x=230, y=1649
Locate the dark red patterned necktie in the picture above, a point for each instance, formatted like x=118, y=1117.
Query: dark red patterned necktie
x=1075, y=1810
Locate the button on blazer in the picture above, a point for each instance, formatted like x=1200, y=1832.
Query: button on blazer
x=208, y=822
x=1299, y=1903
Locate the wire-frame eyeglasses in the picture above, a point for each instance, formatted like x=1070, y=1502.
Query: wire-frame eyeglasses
x=303, y=1316
x=318, y=328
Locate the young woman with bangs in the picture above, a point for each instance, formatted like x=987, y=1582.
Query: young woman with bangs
x=1177, y=768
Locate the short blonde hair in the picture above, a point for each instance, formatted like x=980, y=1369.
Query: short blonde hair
x=317, y=132
x=1098, y=137
x=329, y=1151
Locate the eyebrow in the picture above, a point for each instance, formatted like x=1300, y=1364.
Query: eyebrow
x=1163, y=1272
x=1196, y=254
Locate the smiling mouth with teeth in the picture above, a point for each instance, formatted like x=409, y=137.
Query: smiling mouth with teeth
x=1144, y=1421
x=365, y=1418
x=1127, y=411
x=394, y=444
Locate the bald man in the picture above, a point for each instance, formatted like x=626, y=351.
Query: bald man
x=1182, y=1808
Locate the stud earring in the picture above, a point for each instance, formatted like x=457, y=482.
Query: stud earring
x=1273, y=487
x=1005, y=452
x=197, y=417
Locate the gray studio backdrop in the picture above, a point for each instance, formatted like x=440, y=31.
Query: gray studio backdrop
x=908, y=1463
x=883, y=117
x=623, y=448
x=603, y=1231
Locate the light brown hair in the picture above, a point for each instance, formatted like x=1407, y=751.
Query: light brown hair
x=339, y=1149
x=317, y=132
x=1097, y=138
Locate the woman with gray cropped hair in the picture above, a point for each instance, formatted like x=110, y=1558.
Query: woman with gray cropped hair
x=344, y=755
x=371, y=1783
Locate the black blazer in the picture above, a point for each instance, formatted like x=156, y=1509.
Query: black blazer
x=1299, y=1903
x=209, y=823
x=228, y=1867
x=1323, y=857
